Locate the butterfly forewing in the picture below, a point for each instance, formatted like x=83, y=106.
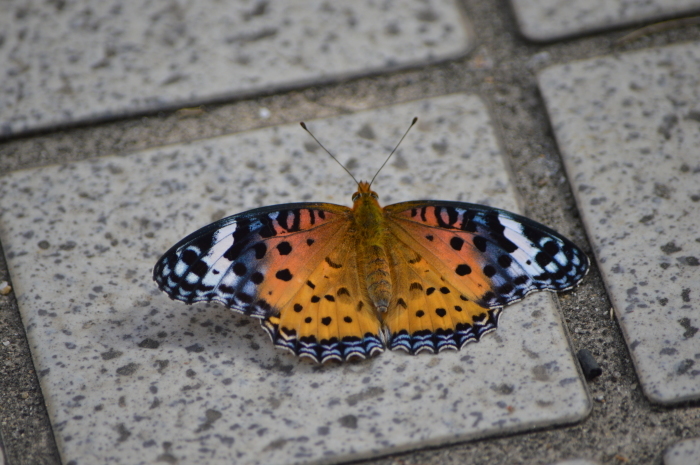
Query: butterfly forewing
x=231, y=260
x=493, y=257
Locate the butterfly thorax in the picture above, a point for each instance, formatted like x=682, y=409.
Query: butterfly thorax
x=370, y=234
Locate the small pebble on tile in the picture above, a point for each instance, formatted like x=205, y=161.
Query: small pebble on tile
x=5, y=288
x=590, y=367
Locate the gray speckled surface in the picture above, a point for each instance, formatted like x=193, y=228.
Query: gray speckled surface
x=576, y=462
x=628, y=127
x=556, y=19
x=683, y=452
x=71, y=61
x=132, y=377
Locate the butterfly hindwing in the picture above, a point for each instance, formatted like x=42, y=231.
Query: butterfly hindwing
x=429, y=313
x=330, y=316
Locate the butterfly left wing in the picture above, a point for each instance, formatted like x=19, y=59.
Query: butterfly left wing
x=471, y=256
x=260, y=263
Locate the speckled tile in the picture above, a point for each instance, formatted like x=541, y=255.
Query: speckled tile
x=683, y=452
x=544, y=20
x=628, y=127
x=576, y=462
x=133, y=377
x=79, y=60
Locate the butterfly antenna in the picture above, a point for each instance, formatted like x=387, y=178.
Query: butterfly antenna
x=415, y=120
x=303, y=125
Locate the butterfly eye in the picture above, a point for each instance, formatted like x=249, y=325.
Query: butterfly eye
x=355, y=196
x=374, y=195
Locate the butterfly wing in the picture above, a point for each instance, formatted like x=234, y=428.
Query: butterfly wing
x=430, y=313
x=330, y=317
x=470, y=261
x=260, y=262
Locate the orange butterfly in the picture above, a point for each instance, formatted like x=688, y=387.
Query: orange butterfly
x=330, y=282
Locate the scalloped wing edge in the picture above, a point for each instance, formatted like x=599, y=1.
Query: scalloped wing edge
x=446, y=339
x=342, y=350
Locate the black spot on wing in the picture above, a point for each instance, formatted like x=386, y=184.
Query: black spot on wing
x=489, y=271
x=284, y=275
x=257, y=277
x=260, y=250
x=551, y=247
x=199, y=268
x=480, y=243
x=284, y=248
x=267, y=227
x=505, y=261
x=463, y=269
x=240, y=269
x=189, y=257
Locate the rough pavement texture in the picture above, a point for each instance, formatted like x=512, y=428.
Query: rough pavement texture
x=624, y=427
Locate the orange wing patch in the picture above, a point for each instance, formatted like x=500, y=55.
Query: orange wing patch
x=429, y=313
x=329, y=317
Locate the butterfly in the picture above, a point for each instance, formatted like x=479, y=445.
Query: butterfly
x=329, y=282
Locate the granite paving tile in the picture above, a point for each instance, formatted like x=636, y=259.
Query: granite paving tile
x=628, y=127
x=683, y=452
x=130, y=376
x=576, y=462
x=546, y=20
x=74, y=61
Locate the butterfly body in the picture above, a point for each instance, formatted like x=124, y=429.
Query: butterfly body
x=370, y=230
x=330, y=282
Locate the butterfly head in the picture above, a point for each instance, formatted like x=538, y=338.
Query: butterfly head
x=365, y=193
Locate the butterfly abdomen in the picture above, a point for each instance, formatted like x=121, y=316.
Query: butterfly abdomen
x=371, y=233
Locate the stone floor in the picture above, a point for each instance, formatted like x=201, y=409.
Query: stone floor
x=119, y=137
